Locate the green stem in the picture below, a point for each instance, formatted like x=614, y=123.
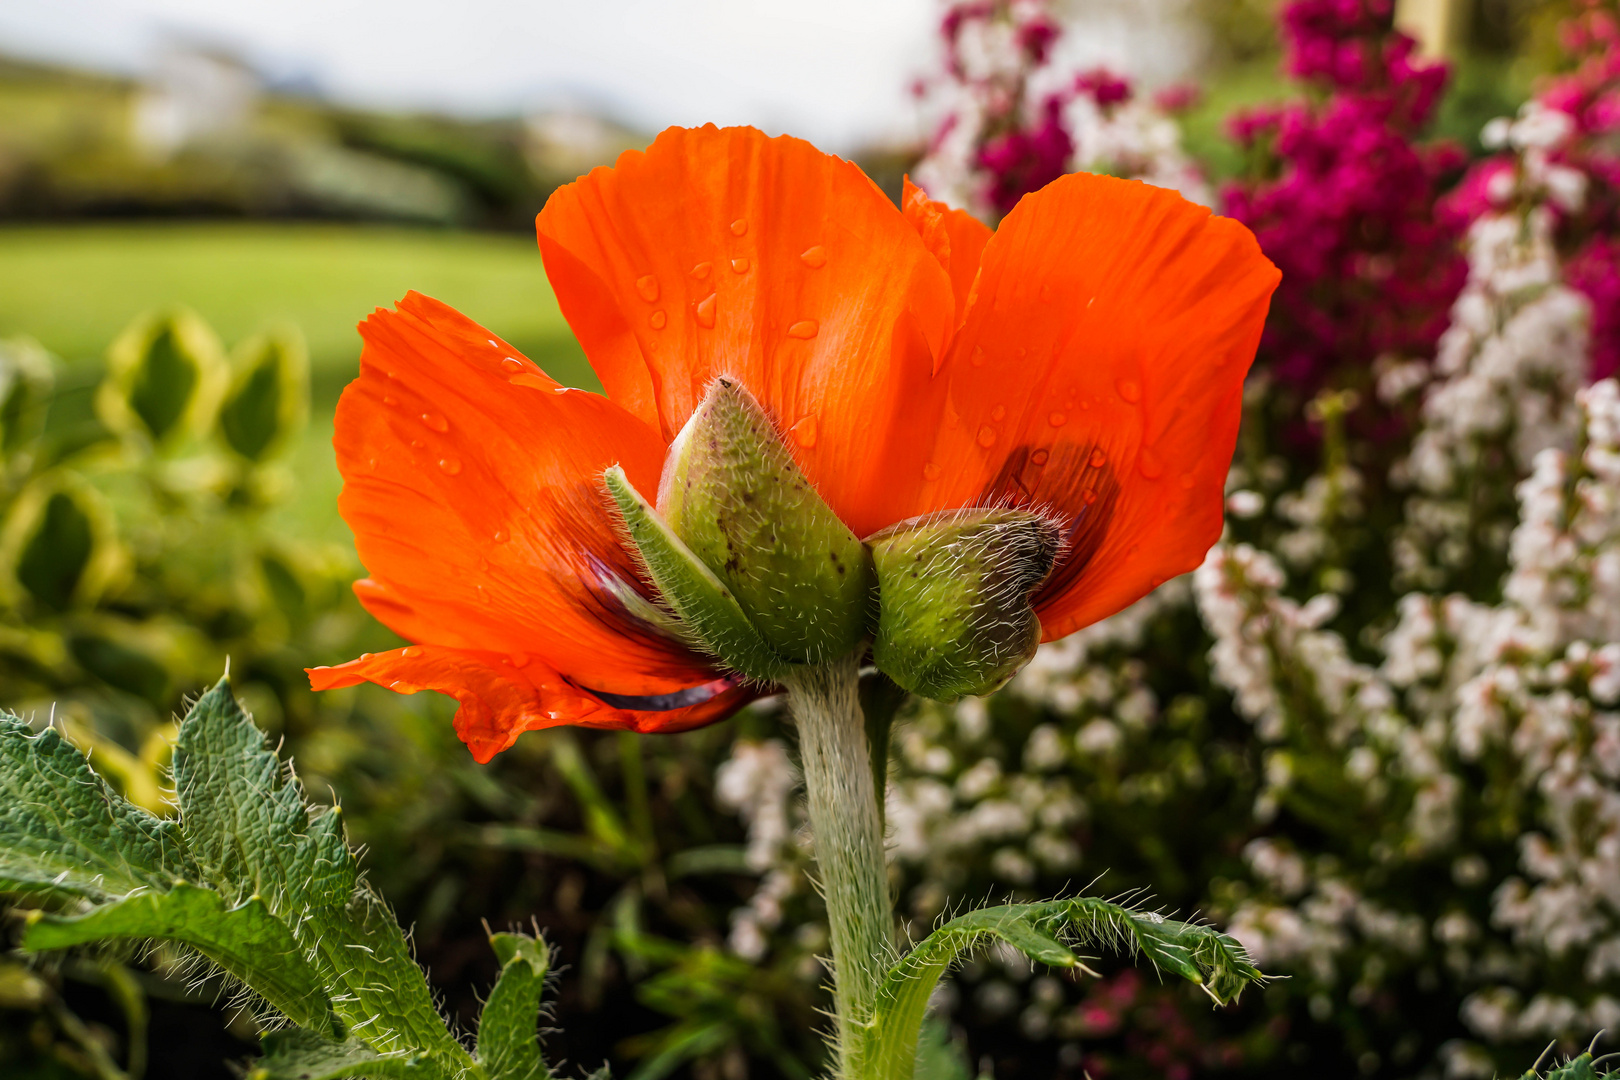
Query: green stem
x=848, y=832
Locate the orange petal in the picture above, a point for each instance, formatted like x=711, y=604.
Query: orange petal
x=472, y=485
x=954, y=237
x=1099, y=372
x=502, y=696
x=770, y=262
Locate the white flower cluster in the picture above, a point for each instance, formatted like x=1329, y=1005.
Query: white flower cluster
x=758, y=781
x=1506, y=369
x=1134, y=139
x=1482, y=711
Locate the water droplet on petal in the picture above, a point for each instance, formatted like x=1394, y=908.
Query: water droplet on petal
x=520, y=660
x=1130, y=390
x=815, y=258
x=1187, y=482
x=657, y=319
x=1057, y=419
x=513, y=364
x=739, y=227
x=702, y=270
x=493, y=343
x=436, y=422
x=740, y=265
x=1098, y=459
x=499, y=536
x=999, y=413
x=930, y=471
x=1149, y=463
x=390, y=400
x=365, y=656
x=705, y=311
x=1089, y=496
x=1040, y=457
x=410, y=652
x=977, y=360
x=805, y=328
x=449, y=465
x=647, y=287
x=804, y=432
x=987, y=436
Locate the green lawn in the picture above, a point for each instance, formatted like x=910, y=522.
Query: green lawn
x=75, y=287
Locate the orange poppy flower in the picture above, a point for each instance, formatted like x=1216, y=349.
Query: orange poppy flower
x=1086, y=357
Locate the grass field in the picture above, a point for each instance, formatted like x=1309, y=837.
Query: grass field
x=75, y=287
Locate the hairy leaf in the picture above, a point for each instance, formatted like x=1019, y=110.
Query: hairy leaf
x=508, y=1047
x=1200, y=954
x=246, y=940
x=301, y=1055
x=64, y=832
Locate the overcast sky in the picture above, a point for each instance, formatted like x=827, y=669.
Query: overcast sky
x=834, y=71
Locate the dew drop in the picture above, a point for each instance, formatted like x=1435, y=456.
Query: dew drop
x=390, y=400
x=417, y=444
x=1040, y=457
x=804, y=432
x=1150, y=464
x=1098, y=459
x=1130, y=390
x=520, y=660
x=514, y=365
x=999, y=413
x=647, y=287
x=815, y=258
x=987, y=436
x=1089, y=496
x=499, y=536
x=740, y=265
x=702, y=270
x=436, y=422
x=705, y=311
x=365, y=656
x=1187, y=482
x=493, y=343
x=930, y=471
x=804, y=329
x=449, y=466
x=410, y=652
x=739, y=227
x=657, y=319
x=1057, y=419
x=977, y=360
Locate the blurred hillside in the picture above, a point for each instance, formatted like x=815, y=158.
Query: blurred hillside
x=203, y=136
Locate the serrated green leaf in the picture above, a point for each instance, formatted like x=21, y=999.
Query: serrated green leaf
x=888, y=1049
x=246, y=941
x=64, y=832
x=508, y=1047
x=247, y=824
x=301, y=1055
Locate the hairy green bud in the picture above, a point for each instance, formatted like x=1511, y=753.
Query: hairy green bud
x=707, y=609
x=953, y=593
x=734, y=495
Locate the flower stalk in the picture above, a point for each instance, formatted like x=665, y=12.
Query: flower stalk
x=842, y=796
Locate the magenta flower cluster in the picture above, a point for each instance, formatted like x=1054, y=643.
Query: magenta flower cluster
x=994, y=50
x=1341, y=193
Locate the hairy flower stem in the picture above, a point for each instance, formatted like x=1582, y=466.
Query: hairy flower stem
x=848, y=831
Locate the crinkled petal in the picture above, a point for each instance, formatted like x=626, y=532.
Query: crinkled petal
x=1099, y=373
x=726, y=252
x=472, y=484
x=502, y=696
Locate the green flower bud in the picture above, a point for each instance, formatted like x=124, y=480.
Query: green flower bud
x=734, y=495
x=953, y=594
